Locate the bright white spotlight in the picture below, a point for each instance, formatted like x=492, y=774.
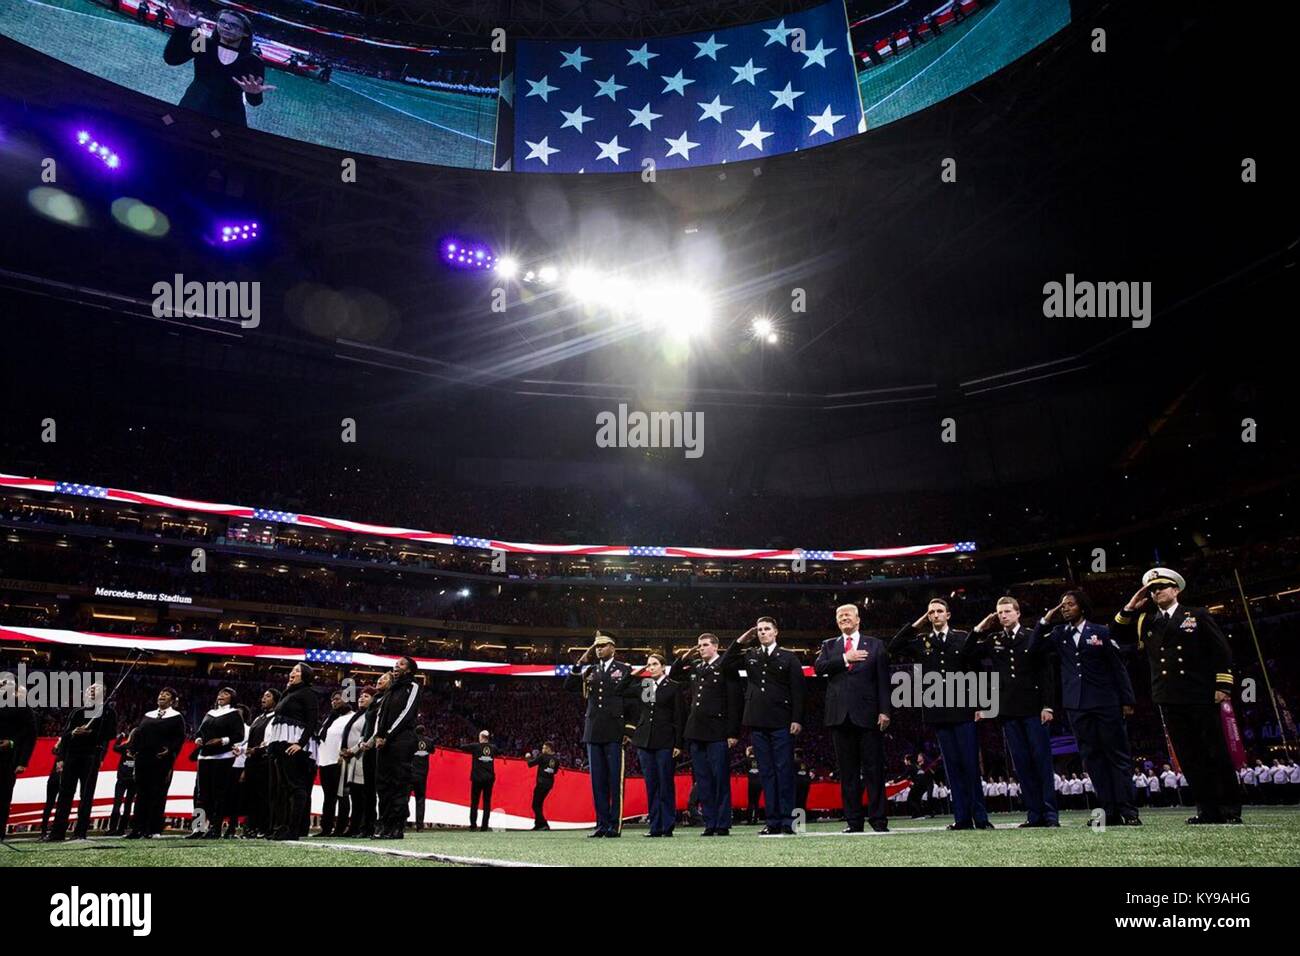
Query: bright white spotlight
x=507, y=267
x=771, y=338
x=584, y=285
x=463, y=592
x=681, y=312
x=762, y=327
x=548, y=274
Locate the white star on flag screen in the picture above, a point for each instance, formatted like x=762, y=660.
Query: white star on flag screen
x=692, y=100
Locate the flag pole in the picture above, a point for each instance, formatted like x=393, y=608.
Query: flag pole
x=1268, y=685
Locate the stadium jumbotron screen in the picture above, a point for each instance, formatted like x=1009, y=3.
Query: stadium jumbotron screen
x=332, y=77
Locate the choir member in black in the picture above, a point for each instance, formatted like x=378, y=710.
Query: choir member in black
x=857, y=712
x=256, y=775
x=946, y=656
x=329, y=741
x=1191, y=675
x=394, y=747
x=156, y=742
x=1026, y=705
x=548, y=767
x=919, y=790
x=658, y=739
x=802, y=782
x=119, y=819
x=712, y=728
x=227, y=70
x=774, y=698
x=292, y=745
x=17, y=741
x=358, y=778
x=220, y=731
x=420, y=774
x=753, y=785
x=1097, y=695
x=482, y=777
x=51, y=791
x=604, y=685
x=89, y=732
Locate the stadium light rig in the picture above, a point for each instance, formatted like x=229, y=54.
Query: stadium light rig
x=460, y=254
x=99, y=150
x=237, y=232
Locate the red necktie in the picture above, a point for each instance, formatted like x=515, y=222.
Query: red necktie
x=848, y=646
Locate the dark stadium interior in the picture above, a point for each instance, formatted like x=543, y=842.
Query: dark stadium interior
x=923, y=305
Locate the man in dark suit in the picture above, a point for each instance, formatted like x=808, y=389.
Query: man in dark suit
x=17, y=740
x=1191, y=675
x=1097, y=696
x=605, y=685
x=857, y=712
x=774, y=699
x=658, y=739
x=1026, y=702
x=86, y=738
x=949, y=659
x=712, y=728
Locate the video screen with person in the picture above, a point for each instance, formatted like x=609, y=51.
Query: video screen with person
x=298, y=69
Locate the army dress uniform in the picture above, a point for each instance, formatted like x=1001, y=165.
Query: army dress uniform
x=942, y=653
x=1025, y=689
x=713, y=716
x=605, y=685
x=660, y=723
x=774, y=699
x=1189, y=659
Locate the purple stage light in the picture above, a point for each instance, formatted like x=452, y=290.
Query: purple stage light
x=237, y=232
x=101, y=151
x=476, y=255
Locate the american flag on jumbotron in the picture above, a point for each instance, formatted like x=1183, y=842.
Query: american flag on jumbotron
x=317, y=655
x=723, y=96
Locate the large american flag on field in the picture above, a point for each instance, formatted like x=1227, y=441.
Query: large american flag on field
x=724, y=96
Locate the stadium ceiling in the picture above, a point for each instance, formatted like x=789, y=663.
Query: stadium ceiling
x=576, y=19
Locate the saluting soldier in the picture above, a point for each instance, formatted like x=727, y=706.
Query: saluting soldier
x=1026, y=693
x=1191, y=675
x=774, y=700
x=943, y=651
x=712, y=728
x=1097, y=695
x=604, y=684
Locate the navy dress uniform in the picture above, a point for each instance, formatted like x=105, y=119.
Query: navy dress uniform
x=658, y=732
x=1095, y=687
x=941, y=654
x=1190, y=660
x=1026, y=687
x=712, y=717
x=774, y=699
x=605, y=685
x=856, y=695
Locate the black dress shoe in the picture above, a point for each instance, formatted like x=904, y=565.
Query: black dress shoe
x=484, y=828
x=653, y=836
x=852, y=829
x=1133, y=821
x=1050, y=823
x=722, y=831
x=597, y=834
x=1027, y=825
x=1232, y=820
x=708, y=833
x=984, y=825
x=134, y=835
x=961, y=826
x=787, y=831
x=768, y=831
x=880, y=827
x=666, y=835
x=613, y=834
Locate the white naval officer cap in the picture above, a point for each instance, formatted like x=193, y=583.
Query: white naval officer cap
x=1163, y=576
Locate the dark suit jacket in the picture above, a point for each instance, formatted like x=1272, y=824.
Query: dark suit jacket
x=1093, y=676
x=605, y=690
x=774, y=684
x=1026, y=684
x=858, y=696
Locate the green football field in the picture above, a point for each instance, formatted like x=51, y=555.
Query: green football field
x=352, y=112
x=1270, y=837
x=962, y=55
